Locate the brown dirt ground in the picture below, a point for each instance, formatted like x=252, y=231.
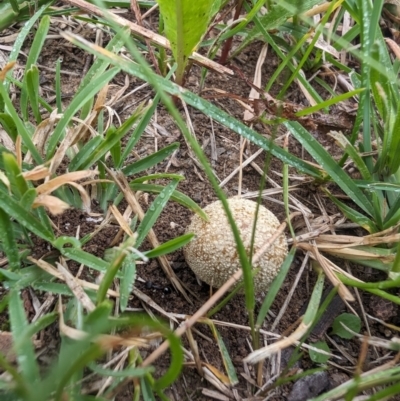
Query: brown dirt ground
x=175, y=219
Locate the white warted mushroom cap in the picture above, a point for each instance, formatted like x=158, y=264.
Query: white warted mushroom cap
x=212, y=254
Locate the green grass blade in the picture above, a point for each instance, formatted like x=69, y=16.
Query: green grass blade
x=393, y=155
x=169, y=246
x=278, y=13
x=115, y=152
x=32, y=86
x=393, y=215
x=25, y=31
x=78, y=101
x=226, y=359
x=58, y=86
x=22, y=129
x=25, y=351
x=89, y=353
x=28, y=198
x=85, y=258
x=158, y=176
x=275, y=287
x=154, y=211
x=150, y=161
x=329, y=102
x=313, y=305
x=84, y=154
x=354, y=216
x=354, y=154
x=9, y=126
x=143, y=123
x=112, y=137
x=177, y=196
x=8, y=241
x=33, y=56
x=98, y=67
x=321, y=156
x=24, y=217
x=35, y=327
x=18, y=184
x=119, y=255
x=202, y=105
x=127, y=281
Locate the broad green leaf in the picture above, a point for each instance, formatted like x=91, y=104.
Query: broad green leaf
x=353, y=322
x=15, y=6
x=316, y=356
x=185, y=23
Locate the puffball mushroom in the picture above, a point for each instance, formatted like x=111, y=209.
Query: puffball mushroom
x=212, y=254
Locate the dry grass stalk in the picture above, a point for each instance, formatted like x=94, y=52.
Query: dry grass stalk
x=47, y=267
x=106, y=341
x=121, y=220
x=123, y=185
x=147, y=34
x=75, y=286
x=265, y=352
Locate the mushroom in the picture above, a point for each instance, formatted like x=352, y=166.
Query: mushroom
x=212, y=254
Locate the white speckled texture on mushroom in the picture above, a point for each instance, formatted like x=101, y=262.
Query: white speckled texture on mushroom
x=212, y=254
